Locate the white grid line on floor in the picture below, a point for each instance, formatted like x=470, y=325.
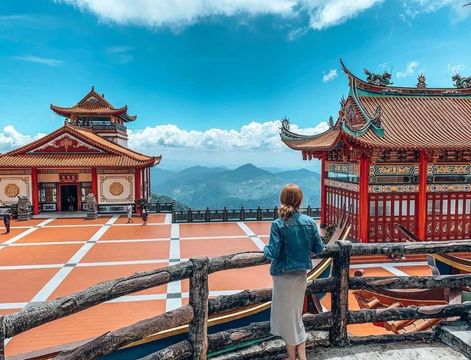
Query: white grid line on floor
x=25, y=233
x=47, y=290
x=248, y=231
x=174, y=287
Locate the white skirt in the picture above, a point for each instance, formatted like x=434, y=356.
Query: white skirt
x=287, y=307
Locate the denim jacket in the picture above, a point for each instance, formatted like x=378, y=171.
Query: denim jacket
x=291, y=243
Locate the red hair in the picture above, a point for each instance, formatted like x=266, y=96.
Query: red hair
x=291, y=198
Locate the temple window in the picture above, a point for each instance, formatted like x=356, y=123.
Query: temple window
x=394, y=179
x=342, y=177
x=446, y=179
x=85, y=189
x=47, y=193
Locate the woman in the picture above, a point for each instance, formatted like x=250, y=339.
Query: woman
x=293, y=236
x=144, y=216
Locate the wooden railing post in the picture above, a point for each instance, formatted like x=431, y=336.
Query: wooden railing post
x=2, y=339
x=340, y=272
x=198, y=330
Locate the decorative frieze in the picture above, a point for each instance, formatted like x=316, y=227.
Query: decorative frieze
x=393, y=188
x=116, y=188
x=13, y=186
x=351, y=168
x=15, y=172
x=449, y=169
x=448, y=187
x=342, y=185
x=394, y=170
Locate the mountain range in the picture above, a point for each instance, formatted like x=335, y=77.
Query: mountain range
x=199, y=187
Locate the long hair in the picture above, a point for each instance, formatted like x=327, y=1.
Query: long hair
x=291, y=198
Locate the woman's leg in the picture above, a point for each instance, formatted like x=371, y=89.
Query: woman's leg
x=301, y=351
x=291, y=351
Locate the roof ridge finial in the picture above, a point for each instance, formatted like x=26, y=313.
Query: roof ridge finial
x=421, y=84
x=93, y=87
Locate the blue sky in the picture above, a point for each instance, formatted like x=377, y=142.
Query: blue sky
x=208, y=79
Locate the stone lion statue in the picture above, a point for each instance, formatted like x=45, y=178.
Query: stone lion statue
x=24, y=208
x=91, y=206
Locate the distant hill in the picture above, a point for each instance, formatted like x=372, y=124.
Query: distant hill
x=249, y=186
x=166, y=199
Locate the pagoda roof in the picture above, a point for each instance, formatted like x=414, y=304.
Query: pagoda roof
x=94, y=104
x=376, y=116
x=73, y=147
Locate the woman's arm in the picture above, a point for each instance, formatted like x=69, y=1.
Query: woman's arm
x=317, y=244
x=272, y=250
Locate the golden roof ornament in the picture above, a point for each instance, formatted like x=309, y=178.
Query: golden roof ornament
x=421, y=84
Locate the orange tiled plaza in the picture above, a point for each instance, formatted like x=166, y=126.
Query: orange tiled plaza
x=49, y=258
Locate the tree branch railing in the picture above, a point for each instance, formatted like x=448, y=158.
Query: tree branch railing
x=196, y=313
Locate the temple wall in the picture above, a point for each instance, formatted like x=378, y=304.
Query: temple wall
x=11, y=186
x=115, y=189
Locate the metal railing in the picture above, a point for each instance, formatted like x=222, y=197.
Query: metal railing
x=242, y=214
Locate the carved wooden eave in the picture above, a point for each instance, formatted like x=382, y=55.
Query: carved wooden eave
x=371, y=122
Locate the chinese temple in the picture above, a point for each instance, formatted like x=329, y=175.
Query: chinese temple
x=395, y=155
x=88, y=154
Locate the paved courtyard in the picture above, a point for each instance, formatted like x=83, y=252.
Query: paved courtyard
x=43, y=259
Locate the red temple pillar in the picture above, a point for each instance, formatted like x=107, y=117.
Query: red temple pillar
x=35, y=191
x=95, y=183
x=422, y=198
x=363, y=214
x=323, y=193
x=137, y=187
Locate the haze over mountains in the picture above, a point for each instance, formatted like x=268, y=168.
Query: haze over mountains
x=249, y=186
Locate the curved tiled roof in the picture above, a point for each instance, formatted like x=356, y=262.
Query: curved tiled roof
x=72, y=161
x=113, y=155
x=420, y=122
x=405, y=118
x=93, y=104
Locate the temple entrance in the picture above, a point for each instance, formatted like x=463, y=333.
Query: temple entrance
x=69, y=201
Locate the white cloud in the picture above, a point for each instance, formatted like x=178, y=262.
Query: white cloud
x=331, y=75
x=177, y=14
x=38, y=60
x=456, y=68
x=10, y=138
x=253, y=136
x=256, y=142
x=384, y=65
x=413, y=8
x=327, y=13
x=120, y=54
x=410, y=69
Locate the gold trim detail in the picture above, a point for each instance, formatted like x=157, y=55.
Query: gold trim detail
x=452, y=263
x=11, y=190
x=116, y=188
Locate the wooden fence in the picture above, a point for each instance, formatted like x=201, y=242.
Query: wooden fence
x=200, y=307
x=242, y=214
